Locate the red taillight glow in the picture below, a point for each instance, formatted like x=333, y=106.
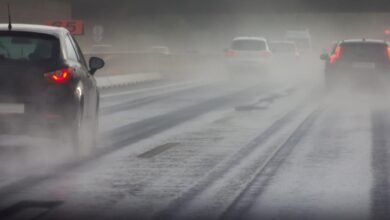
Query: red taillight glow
x=231, y=53
x=388, y=52
x=334, y=57
x=59, y=76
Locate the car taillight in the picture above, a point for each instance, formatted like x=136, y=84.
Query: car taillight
x=266, y=53
x=59, y=76
x=231, y=53
x=388, y=52
x=335, y=56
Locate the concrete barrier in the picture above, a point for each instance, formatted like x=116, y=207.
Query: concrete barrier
x=105, y=82
x=169, y=65
x=126, y=62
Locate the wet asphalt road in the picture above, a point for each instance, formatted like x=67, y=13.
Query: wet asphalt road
x=212, y=150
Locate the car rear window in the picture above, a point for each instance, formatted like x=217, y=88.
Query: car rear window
x=248, y=45
x=24, y=46
x=282, y=47
x=368, y=52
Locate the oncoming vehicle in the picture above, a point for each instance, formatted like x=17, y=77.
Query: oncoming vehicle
x=46, y=83
x=356, y=58
x=248, y=54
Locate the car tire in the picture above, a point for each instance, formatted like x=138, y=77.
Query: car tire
x=83, y=134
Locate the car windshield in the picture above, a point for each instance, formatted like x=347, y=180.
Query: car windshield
x=248, y=45
x=195, y=109
x=19, y=46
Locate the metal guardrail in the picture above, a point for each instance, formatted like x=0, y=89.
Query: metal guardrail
x=104, y=82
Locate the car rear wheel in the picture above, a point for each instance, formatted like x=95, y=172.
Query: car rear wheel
x=83, y=134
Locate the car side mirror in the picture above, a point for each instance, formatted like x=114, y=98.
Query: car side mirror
x=95, y=63
x=324, y=56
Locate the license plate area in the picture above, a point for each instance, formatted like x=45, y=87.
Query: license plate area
x=12, y=108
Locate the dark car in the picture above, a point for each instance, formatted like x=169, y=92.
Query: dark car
x=357, y=58
x=46, y=87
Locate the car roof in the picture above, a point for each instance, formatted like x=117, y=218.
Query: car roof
x=40, y=29
x=363, y=40
x=250, y=38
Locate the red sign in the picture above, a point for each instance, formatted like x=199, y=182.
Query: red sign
x=75, y=27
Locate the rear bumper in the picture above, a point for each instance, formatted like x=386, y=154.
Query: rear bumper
x=357, y=79
x=38, y=118
x=245, y=66
x=31, y=124
x=357, y=73
x=348, y=68
x=49, y=109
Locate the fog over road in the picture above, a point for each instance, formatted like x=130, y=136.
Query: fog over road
x=212, y=149
x=210, y=110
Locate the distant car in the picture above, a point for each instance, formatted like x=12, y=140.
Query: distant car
x=284, y=49
x=286, y=57
x=248, y=54
x=46, y=87
x=302, y=38
x=355, y=58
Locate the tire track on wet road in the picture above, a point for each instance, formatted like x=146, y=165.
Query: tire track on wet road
x=380, y=194
x=268, y=170
x=269, y=164
x=132, y=133
x=136, y=103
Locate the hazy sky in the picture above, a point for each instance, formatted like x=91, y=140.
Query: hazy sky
x=253, y=6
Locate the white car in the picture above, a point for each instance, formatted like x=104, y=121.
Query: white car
x=248, y=54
